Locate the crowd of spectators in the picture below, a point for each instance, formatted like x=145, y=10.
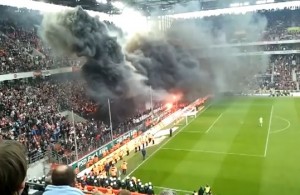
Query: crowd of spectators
x=283, y=70
x=279, y=22
x=30, y=113
x=21, y=49
x=281, y=74
x=279, y=25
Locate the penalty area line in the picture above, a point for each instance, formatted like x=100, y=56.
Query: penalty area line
x=214, y=123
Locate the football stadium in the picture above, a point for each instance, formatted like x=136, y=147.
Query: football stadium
x=145, y=97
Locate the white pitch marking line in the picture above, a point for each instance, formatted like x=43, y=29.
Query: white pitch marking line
x=179, y=190
x=213, y=123
x=192, y=132
x=167, y=141
x=214, y=152
x=283, y=129
x=268, y=135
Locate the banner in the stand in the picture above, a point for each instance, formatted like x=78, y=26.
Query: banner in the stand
x=37, y=73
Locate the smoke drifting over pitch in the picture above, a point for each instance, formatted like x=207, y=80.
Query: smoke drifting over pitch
x=171, y=62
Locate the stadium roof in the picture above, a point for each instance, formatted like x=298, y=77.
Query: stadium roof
x=95, y=5
x=148, y=6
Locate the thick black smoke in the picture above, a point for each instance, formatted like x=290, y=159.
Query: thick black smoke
x=168, y=66
x=168, y=63
x=105, y=70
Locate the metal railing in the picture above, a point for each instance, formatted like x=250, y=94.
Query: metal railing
x=56, y=158
x=37, y=156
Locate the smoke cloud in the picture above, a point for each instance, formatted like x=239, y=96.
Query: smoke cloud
x=180, y=60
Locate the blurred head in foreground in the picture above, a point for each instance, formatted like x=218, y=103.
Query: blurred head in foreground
x=124, y=192
x=63, y=182
x=13, y=167
x=63, y=175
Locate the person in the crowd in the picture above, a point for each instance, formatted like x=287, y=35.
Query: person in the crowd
x=124, y=167
x=201, y=191
x=13, y=168
x=127, y=150
x=150, y=191
x=63, y=182
x=113, y=171
x=144, y=153
x=207, y=190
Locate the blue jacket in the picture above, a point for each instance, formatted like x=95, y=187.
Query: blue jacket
x=62, y=190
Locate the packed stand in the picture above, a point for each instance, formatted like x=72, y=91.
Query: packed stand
x=30, y=113
x=21, y=50
x=281, y=74
x=281, y=25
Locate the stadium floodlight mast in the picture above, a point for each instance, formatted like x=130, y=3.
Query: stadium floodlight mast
x=151, y=100
x=110, y=123
x=75, y=135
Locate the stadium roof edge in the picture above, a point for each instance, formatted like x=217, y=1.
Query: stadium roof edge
x=46, y=7
x=236, y=10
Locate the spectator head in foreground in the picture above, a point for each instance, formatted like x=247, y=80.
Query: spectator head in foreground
x=63, y=176
x=124, y=192
x=13, y=167
x=63, y=182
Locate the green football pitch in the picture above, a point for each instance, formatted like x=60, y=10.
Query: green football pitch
x=225, y=147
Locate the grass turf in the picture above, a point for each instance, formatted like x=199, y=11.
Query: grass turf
x=225, y=148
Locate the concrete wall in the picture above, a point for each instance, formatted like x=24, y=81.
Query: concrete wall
x=38, y=169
